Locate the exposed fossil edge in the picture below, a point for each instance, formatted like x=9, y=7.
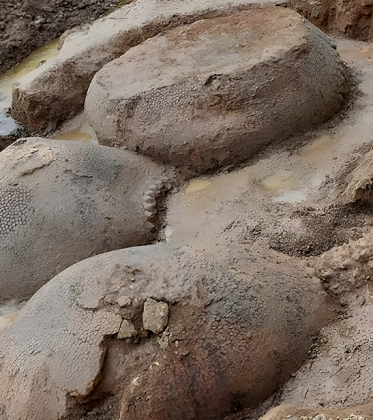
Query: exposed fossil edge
x=216, y=92
x=56, y=91
x=360, y=185
x=61, y=202
x=348, y=267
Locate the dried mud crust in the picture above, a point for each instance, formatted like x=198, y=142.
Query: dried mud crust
x=28, y=24
x=348, y=17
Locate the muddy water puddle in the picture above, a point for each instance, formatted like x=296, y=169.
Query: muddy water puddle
x=35, y=59
x=197, y=185
x=287, y=185
x=74, y=135
x=362, y=52
x=77, y=129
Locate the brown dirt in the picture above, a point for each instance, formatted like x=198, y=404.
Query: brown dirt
x=352, y=18
x=28, y=24
x=6, y=141
x=298, y=229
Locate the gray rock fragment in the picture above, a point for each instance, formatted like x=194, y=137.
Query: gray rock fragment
x=127, y=330
x=155, y=316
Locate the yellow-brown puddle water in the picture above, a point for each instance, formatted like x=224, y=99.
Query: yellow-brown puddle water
x=348, y=54
x=73, y=135
x=281, y=180
x=197, y=185
x=283, y=184
x=36, y=58
x=8, y=312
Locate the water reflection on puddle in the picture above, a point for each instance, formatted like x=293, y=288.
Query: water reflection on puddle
x=281, y=180
x=349, y=54
x=36, y=58
x=317, y=148
x=7, y=124
x=290, y=197
x=6, y=321
x=283, y=184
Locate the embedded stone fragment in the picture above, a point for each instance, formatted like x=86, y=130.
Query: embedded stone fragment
x=127, y=330
x=155, y=316
x=217, y=91
x=360, y=183
x=238, y=330
x=61, y=202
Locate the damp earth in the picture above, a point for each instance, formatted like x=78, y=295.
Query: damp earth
x=199, y=210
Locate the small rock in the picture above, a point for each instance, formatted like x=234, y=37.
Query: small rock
x=127, y=330
x=155, y=316
x=124, y=301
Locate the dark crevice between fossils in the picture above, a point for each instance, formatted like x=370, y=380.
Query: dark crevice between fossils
x=9, y=139
x=159, y=216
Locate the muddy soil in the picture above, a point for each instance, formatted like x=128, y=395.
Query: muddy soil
x=347, y=17
x=28, y=24
x=286, y=201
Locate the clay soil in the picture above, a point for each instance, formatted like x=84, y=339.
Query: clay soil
x=269, y=217
x=28, y=24
x=352, y=18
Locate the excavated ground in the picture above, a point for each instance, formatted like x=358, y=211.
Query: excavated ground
x=28, y=24
x=286, y=200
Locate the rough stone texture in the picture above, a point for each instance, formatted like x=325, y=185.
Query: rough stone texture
x=348, y=17
x=155, y=316
x=127, y=330
x=56, y=91
x=6, y=141
x=215, y=92
x=61, y=202
x=231, y=339
x=347, y=267
x=360, y=183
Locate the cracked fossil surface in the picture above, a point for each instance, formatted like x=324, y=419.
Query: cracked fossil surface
x=227, y=338
x=62, y=202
